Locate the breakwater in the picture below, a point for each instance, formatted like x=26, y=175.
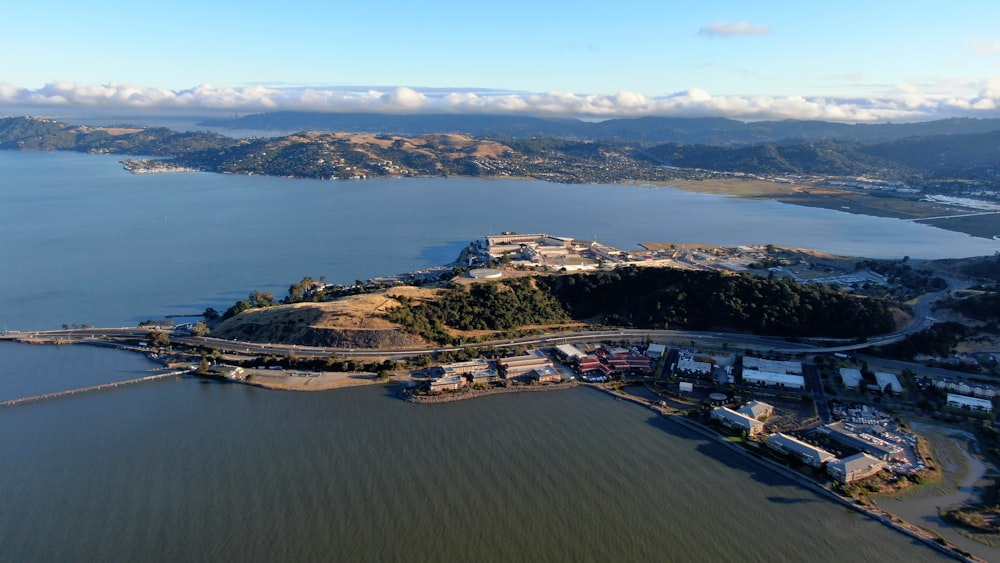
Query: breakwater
x=90, y=389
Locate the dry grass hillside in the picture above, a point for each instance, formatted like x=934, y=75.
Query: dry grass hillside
x=352, y=322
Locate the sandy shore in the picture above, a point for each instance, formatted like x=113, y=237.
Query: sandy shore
x=289, y=380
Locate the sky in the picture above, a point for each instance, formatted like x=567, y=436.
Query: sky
x=848, y=61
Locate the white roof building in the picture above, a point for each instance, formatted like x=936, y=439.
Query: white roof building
x=774, y=366
x=751, y=377
x=886, y=379
x=656, y=350
x=851, y=377
x=971, y=403
x=569, y=351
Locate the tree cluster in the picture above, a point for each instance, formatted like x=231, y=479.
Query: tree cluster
x=940, y=339
x=500, y=306
x=702, y=300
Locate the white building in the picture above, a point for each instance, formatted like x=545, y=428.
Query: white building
x=569, y=352
x=752, y=377
x=971, y=403
x=773, y=366
x=656, y=350
x=851, y=377
x=886, y=379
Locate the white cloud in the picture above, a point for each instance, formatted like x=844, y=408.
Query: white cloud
x=902, y=103
x=981, y=47
x=732, y=29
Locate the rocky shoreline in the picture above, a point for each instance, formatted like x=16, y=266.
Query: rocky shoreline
x=408, y=396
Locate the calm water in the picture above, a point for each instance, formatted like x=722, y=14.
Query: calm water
x=184, y=470
x=187, y=471
x=86, y=242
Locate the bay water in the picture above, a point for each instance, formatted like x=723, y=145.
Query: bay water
x=187, y=470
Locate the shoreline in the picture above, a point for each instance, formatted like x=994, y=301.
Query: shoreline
x=884, y=517
x=926, y=504
x=477, y=393
x=874, y=512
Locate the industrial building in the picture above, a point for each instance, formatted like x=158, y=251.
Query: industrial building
x=886, y=379
x=773, y=366
x=569, y=352
x=687, y=365
x=656, y=351
x=522, y=366
x=851, y=377
x=771, y=379
x=971, y=403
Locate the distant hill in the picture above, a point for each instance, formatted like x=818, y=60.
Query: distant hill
x=968, y=159
x=974, y=157
x=649, y=130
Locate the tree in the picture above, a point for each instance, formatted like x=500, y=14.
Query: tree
x=203, y=366
x=200, y=329
x=158, y=339
x=210, y=314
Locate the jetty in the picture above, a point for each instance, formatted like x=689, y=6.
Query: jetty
x=91, y=389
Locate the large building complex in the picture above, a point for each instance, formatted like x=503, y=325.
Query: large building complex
x=808, y=453
x=843, y=434
x=772, y=373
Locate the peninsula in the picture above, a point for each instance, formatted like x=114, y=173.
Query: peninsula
x=915, y=178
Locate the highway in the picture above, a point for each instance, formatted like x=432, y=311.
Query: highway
x=738, y=341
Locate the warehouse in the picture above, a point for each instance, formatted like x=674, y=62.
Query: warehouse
x=971, y=403
x=770, y=379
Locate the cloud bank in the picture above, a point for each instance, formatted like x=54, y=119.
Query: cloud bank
x=732, y=29
x=902, y=104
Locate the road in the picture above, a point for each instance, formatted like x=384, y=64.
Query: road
x=922, y=319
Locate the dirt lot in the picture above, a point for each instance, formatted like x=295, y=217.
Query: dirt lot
x=292, y=380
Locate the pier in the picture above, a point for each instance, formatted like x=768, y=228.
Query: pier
x=91, y=389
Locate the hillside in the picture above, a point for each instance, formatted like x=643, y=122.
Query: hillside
x=655, y=130
x=626, y=297
x=357, y=321
x=948, y=164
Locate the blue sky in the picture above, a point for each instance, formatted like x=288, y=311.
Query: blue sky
x=849, y=60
